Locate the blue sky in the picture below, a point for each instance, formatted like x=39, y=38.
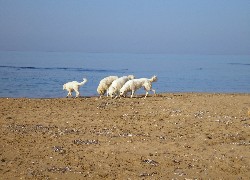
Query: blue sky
x=126, y=26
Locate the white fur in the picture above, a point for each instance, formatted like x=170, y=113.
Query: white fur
x=74, y=86
x=104, y=84
x=117, y=85
x=135, y=84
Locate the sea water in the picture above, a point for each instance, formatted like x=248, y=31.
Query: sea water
x=42, y=74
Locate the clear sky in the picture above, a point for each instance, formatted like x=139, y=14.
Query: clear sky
x=137, y=26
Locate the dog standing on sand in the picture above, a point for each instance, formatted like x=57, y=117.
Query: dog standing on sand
x=104, y=85
x=74, y=86
x=134, y=84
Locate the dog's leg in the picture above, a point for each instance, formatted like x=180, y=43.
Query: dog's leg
x=153, y=91
x=76, y=89
x=146, y=94
x=146, y=88
x=118, y=96
x=77, y=94
x=69, y=94
x=107, y=92
x=132, y=93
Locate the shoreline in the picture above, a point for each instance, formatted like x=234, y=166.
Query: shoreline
x=171, y=135
x=141, y=95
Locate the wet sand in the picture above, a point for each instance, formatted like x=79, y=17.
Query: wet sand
x=170, y=136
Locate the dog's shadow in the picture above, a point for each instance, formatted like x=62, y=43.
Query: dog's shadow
x=81, y=97
x=141, y=96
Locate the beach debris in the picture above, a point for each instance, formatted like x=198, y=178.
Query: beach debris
x=103, y=131
x=176, y=161
x=241, y=143
x=105, y=104
x=67, y=131
x=147, y=174
x=173, y=112
x=59, y=149
x=87, y=142
x=199, y=114
x=24, y=128
x=176, y=111
x=53, y=131
x=59, y=169
x=126, y=134
x=162, y=137
x=151, y=162
x=102, y=105
x=179, y=172
x=246, y=125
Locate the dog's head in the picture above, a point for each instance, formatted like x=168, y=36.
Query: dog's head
x=131, y=77
x=112, y=95
x=100, y=91
x=112, y=92
x=154, y=78
x=122, y=93
x=64, y=86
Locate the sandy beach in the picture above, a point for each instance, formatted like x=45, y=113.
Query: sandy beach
x=169, y=136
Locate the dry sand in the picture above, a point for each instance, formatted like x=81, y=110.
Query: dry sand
x=170, y=136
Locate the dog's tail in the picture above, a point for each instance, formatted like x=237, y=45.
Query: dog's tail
x=83, y=82
x=153, y=79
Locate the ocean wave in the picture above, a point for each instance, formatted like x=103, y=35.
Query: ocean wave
x=243, y=64
x=64, y=69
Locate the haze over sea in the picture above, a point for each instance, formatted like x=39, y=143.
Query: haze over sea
x=42, y=74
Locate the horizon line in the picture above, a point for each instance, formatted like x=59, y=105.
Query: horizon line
x=120, y=52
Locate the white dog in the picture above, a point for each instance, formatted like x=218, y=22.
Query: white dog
x=117, y=85
x=135, y=84
x=74, y=86
x=104, y=85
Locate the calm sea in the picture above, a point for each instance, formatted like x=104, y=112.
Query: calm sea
x=42, y=74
